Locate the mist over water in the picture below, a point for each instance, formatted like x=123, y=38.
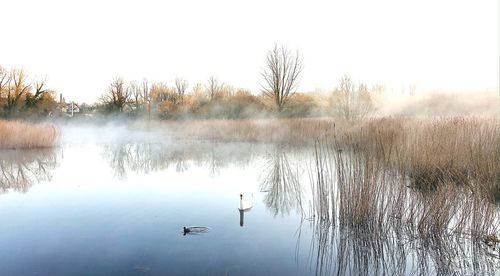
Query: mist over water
x=479, y=103
x=258, y=138
x=112, y=199
x=122, y=213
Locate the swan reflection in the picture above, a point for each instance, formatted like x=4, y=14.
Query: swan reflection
x=245, y=206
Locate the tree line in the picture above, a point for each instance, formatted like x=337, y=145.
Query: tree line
x=21, y=96
x=212, y=99
x=215, y=99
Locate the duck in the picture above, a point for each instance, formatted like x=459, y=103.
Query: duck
x=244, y=204
x=194, y=229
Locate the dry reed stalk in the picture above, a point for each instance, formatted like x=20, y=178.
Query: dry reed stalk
x=15, y=134
x=324, y=195
x=289, y=131
x=412, y=188
x=429, y=152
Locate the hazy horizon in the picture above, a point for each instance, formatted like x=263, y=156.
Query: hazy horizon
x=81, y=47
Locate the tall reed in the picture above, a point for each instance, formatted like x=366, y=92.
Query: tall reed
x=16, y=134
x=384, y=220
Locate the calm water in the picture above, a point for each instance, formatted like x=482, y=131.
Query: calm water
x=110, y=201
x=109, y=205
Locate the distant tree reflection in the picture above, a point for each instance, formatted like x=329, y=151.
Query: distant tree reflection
x=20, y=169
x=145, y=157
x=281, y=184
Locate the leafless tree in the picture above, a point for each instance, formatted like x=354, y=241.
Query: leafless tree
x=346, y=93
x=364, y=102
x=135, y=92
x=117, y=96
x=352, y=101
x=5, y=78
x=281, y=75
x=17, y=89
x=145, y=95
x=180, y=88
x=213, y=88
x=40, y=90
x=145, y=90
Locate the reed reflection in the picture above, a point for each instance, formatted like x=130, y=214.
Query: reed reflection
x=383, y=226
x=21, y=169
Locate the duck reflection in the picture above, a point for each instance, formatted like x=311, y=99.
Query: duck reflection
x=281, y=184
x=20, y=169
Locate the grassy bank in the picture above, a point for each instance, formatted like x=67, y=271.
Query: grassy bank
x=16, y=134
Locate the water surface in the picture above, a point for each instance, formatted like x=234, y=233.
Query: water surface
x=113, y=201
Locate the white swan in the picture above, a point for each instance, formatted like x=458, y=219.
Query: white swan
x=244, y=204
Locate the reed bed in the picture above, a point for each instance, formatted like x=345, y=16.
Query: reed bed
x=373, y=197
x=428, y=151
x=301, y=131
x=462, y=151
x=375, y=219
x=16, y=134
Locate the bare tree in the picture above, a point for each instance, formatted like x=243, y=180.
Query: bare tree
x=145, y=90
x=40, y=89
x=117, y=96
x=352, y=101
x=364, y=102
x=346, y=93
x=5, y=78
x=281, y=75
x=17, y=89
x=145, y=95
x=213, y=88
x=135, y=92
x=180, y=88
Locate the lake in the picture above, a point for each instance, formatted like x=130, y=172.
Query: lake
x=109, y=200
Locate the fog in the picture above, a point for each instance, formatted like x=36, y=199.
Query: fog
x=483, y=103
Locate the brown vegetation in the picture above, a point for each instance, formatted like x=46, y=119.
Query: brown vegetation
x=291, y=131
x=20, y=96
x=15, y=134
x=429, y=152
x=463, y=151
x=383, y=219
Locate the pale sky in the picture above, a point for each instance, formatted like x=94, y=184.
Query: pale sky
x=82, y=45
